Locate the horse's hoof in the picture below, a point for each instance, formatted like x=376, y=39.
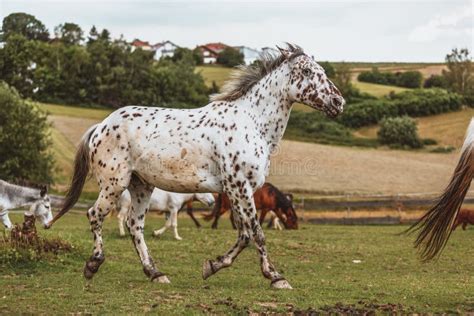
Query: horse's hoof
x=281, y=284
x=178, y=238
x=162, y=279
x=156, y=233
x=207, y=270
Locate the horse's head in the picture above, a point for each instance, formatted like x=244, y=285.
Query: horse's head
x=291, y=221
x=308, y=83
x=205, y=198
x=41, y=208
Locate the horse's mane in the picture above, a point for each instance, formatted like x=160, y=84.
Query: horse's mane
x=245, y=77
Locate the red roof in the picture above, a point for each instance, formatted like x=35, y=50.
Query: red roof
x=138, y=43
x=215, y=47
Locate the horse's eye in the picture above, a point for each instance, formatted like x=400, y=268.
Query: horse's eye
x=306, y=71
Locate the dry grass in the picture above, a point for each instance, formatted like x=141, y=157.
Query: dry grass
x=447, y=129
x=316, y=168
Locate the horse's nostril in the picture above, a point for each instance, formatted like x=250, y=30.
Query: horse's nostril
x=337, y=101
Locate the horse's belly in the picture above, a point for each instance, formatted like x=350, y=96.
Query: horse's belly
x=183, y=170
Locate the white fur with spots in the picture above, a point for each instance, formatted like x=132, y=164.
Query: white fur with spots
x=224, y=146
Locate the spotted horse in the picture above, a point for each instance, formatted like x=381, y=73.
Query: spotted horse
x=222, y=147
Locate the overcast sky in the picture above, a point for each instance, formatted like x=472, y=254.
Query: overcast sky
x=347, y=30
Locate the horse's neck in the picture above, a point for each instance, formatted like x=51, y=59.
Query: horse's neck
x=270, y=105
x=18, y=196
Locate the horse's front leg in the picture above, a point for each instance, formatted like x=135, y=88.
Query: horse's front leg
x=212, y=266
x=140, y=195
x=268, y=270
x=263, y=214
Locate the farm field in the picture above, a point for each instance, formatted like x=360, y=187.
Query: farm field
x=318, y=260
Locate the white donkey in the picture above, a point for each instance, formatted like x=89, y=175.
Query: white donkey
x=224, y=146
x=14, y=196
x=163, y=201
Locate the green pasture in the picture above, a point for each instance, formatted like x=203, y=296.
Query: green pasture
x=330, y=268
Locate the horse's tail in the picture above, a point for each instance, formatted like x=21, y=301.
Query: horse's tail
x=81, y=169
x=217, y=208
x=436, y=225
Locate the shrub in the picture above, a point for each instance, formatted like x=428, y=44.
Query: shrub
x=230, y=57
x=407, y=79
x=24, y=140
x=436, y=81
x=414, y=103
x=399, y=132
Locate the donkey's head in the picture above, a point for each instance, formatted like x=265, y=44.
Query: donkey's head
x=41, y=208
x=308, y=83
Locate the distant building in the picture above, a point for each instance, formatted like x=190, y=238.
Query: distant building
x=164, y=49
x=250, y=54
x=141, y=44
x=211, y=51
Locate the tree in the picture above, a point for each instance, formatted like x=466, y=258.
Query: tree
x=192, y=57
x=16, y=64
x=342, y=79
x=399, y=132
x=436, y=81
x=24, y=140
x=460, y=71
x=328, y=68
x=230, y=57
x=24, y=24
x=69, y=33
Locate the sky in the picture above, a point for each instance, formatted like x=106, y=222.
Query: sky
x=349, y=30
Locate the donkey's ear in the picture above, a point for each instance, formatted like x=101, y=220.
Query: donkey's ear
x=285, y=52
x=43, y=190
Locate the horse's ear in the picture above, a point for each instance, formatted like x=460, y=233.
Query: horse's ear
x=285, y=52
x=43, y=190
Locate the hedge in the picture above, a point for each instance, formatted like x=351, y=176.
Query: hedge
x=407, y=79
x=422, y=102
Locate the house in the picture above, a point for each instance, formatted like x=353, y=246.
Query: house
x=141, y=44
x=250, y=54
x=211, y=51
x=164, y=49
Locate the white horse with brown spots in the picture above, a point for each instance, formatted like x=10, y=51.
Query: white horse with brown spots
x=163, y=201
x=224, y=146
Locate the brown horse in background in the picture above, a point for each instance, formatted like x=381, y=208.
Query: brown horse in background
x=267, y=198
x=464, y=217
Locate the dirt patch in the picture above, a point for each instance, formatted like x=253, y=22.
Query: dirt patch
x=361, y=308
x=24, y=243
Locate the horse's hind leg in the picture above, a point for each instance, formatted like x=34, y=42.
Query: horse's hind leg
x=140, y=193
x=105, y=203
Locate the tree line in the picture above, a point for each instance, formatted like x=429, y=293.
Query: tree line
x=73, y=68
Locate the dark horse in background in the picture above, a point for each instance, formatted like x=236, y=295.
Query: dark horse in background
x=267, y=198
x=463, y=218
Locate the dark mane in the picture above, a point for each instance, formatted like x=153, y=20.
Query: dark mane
x=246, y=76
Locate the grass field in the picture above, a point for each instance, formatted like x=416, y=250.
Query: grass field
x=317, y=260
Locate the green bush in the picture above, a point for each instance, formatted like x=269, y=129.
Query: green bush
x=230, y=57
x=419, y=102
x=399, y=132
x=24, y=140
x=407, y=79
x=436, y=81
